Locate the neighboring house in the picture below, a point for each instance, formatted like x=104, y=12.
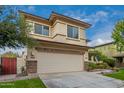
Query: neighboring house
x=108, y=49
x=63, y=44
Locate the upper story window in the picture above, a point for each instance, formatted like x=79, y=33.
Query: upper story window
x=72, y=32
x=41, y=29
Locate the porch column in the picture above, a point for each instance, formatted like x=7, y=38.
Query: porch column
x=123, y=60
x=92, y=58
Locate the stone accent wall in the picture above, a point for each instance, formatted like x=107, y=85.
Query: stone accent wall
x=31, y=66
x=86, y=66
x=20, y=63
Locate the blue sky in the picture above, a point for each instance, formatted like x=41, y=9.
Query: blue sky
x=102, y=18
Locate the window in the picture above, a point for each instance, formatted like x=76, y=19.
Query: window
x=41, y=29
x=72, y=32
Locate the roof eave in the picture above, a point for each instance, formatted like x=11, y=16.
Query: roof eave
x=29, y=14
x=87, y=25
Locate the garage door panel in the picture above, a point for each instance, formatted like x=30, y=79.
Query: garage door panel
x=57, y=62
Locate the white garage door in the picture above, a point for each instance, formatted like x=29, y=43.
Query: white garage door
x=57, y=62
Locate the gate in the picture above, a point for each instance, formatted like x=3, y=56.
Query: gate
x=8, y=65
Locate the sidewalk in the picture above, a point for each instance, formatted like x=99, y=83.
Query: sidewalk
x=8, y=78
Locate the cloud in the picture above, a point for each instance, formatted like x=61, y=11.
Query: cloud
x=117, y=13
x=99, y=41
x=99, y=16
x=103, y=33
x=31, y=8
x=102, y=36
x=76, y=14
x=114, y=12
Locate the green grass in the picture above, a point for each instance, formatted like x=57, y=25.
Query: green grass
x=117, y=75
x=29, y=83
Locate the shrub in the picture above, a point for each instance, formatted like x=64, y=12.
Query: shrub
x=91, y=66
x=105, y=59
x=110, y=62
x=100, y=56
x=102, y=65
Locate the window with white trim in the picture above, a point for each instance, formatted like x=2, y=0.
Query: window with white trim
x=41, y=29
x=72, y=32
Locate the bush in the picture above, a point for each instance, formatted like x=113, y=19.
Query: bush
x=110, y=62
x=92, y=66
x=102, y=66
x=105, y=59
x=107, y=62
x=100, y=56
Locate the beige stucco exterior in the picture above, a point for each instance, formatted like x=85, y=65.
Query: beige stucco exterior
x=57, y=52
x=58, y=33
x=20, y=63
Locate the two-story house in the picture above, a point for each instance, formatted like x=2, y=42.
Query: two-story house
x=63, y=43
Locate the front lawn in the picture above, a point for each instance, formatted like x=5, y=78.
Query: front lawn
x=117, y=75
x=29, y=83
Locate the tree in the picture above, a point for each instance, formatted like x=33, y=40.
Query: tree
x=118, y=35
x=9, y=54
x=13, y=29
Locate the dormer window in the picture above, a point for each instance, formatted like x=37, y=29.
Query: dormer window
x=41, y=29
x=72, y=32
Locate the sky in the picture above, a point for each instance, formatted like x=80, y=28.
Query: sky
x=102, y=18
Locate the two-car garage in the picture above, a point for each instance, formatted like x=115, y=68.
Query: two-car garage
x=56, y=57
x=57, y=62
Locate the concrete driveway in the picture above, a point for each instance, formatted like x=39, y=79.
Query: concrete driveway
x=80, y=80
